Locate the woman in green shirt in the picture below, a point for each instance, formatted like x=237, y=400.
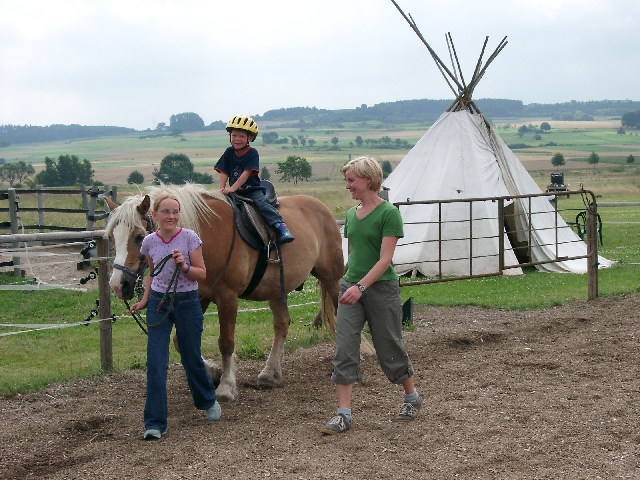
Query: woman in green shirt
x=369, y=292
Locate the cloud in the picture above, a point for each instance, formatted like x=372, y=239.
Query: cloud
x=136, y=63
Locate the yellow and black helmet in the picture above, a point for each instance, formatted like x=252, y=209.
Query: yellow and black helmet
x=242, y=122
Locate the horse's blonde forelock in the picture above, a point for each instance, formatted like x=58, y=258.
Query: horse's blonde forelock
x=126, y=214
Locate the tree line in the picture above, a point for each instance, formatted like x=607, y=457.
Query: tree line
x=388, y=113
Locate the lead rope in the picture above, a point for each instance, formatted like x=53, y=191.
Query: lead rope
x=172, y=283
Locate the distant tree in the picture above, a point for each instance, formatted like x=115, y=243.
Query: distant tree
x=68, y=171
x=135, y=178
x=303, y=140
x=631, y=120
x=269, y=137
x=49, y=176
x=16, y=173
x=621, y=131
x=594, y=159
x=386, y=168
x=161, y=127
x=312, y=142
x=294, y=168
x=202, y=178
x=23, y=170
x=175, y=168
x=335, y=141
x=557, y=160
x=537, y=137
x=2, y=161
x=186, y=122
x=545, y=127
x=294, y=141
x=359, y=141
x=630, y=159
x=264, y=173
x=522, y=130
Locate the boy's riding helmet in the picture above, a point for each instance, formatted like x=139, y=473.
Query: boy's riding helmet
x=242, y=122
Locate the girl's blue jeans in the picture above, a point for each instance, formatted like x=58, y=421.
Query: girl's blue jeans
x=186, y=315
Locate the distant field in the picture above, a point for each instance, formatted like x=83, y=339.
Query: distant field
x=114, y=158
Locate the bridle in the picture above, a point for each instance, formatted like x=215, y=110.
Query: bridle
x=138, y=275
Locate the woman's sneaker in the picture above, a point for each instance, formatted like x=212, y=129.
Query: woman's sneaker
x=337, y=424
x=408, y=411
x=154, y=434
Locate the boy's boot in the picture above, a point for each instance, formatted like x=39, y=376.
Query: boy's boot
x=284, y=235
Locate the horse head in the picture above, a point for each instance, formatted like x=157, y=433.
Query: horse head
x=128, y=224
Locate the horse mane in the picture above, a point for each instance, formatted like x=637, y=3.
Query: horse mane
x=193, y=205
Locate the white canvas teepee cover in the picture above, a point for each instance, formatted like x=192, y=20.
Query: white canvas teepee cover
x=457, y=158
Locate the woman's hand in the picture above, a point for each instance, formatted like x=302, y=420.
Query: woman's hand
x=350, y=296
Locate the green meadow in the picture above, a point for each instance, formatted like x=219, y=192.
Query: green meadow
x=33, y=360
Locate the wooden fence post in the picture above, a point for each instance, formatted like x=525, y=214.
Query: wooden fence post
x=13, y=220
x=592, y=251
x=91, y=207
x=106, y=339
x=40, y=209
x=83, y=191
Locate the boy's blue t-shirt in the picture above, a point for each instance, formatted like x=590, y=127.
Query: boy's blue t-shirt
x=233, y=165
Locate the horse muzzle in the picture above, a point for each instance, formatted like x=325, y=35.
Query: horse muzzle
x=125, y=290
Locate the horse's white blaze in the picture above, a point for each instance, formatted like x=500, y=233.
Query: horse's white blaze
x=120, y=240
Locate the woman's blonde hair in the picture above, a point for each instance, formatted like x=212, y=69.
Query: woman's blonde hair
x=366, y=167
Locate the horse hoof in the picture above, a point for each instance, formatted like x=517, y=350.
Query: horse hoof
x=214, y=371
x=267, y=381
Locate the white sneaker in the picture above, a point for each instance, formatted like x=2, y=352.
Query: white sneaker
x=214, y=412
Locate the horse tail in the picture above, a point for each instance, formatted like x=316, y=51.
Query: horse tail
x=327, y=310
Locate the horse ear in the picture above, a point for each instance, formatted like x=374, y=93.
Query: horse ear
x=110, y=203
x=144, y=206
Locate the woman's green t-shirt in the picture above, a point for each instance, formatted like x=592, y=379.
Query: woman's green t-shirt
x=365, y=239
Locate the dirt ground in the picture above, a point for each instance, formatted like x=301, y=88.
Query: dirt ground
x=543, y=394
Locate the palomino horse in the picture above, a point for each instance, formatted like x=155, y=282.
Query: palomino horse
x=230, y=262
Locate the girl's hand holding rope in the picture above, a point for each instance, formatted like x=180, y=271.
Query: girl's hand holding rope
x=142, y=304
x=179, y=259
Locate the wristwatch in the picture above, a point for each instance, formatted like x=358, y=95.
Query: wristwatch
x=360, y=287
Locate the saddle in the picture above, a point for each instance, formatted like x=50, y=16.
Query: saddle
x=250, y=224
x=257, y=234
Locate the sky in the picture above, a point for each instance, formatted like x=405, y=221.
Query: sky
x=135, y=63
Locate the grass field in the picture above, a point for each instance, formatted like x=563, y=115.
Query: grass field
x=30, y=361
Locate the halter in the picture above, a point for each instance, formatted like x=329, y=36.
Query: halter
x=138, y=275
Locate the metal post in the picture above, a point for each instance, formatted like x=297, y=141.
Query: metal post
x=501, y=234
x=592, y=251
x=106, y=339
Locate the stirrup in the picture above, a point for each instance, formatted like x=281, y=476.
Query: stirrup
x=269, y=249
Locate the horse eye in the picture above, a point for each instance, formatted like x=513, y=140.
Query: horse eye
x=138, y=239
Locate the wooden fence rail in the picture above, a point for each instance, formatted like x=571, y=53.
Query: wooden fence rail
x=90, y=197
x=104, y=298
x=89, y=201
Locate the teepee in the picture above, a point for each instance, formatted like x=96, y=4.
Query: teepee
x=461, y=157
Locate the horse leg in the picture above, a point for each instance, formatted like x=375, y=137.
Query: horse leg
x=227, y=313
x=213, y=369
x=271, y=374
